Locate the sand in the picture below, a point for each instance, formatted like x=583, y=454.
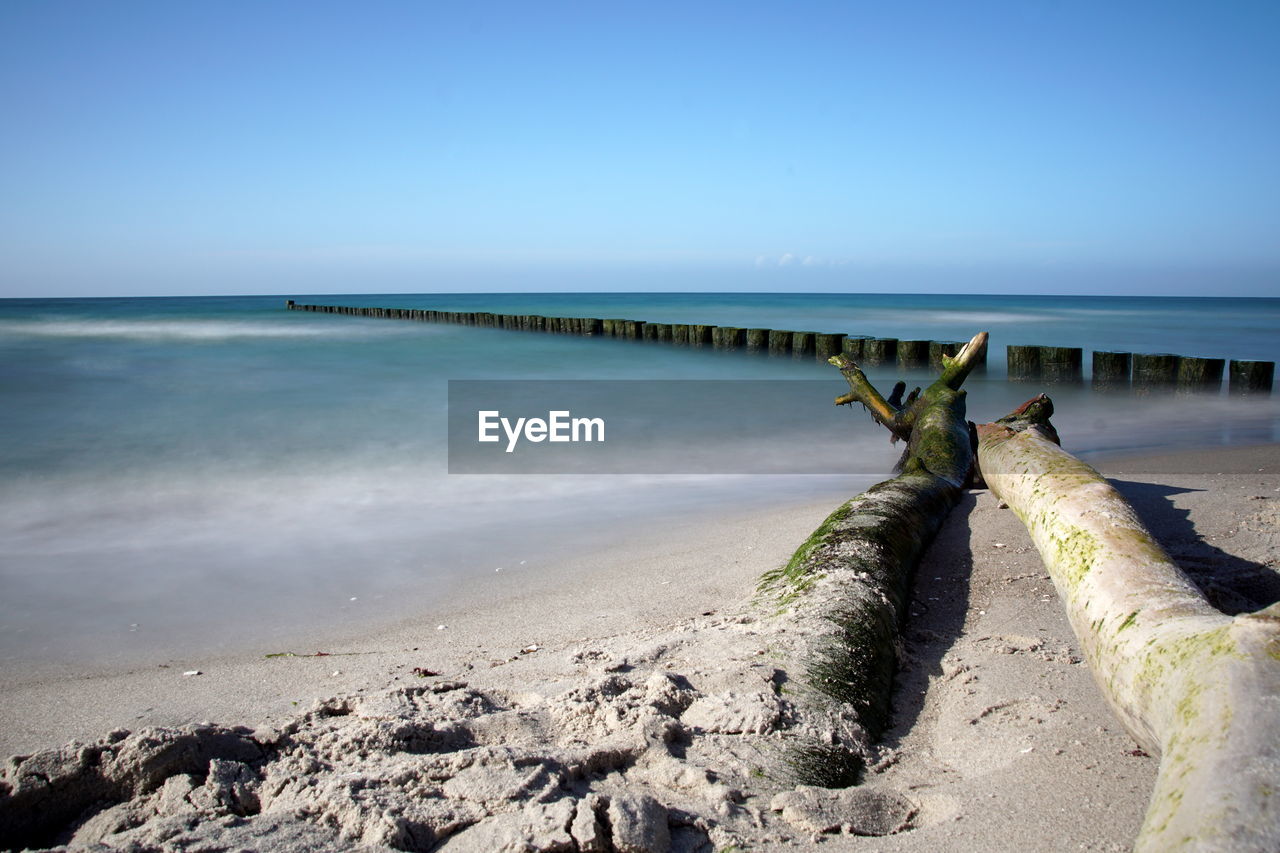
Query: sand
x=641, y=701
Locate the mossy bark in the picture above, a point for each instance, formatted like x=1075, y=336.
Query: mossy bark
x=1199, y=688
x=851, y=578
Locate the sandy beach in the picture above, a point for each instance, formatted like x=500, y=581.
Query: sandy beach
x=636, y=702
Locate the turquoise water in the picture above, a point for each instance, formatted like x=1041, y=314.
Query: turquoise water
x=194, y=474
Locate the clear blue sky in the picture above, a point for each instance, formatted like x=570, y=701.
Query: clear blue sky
x=242, y=147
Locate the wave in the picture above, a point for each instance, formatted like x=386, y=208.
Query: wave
x=195, y=330
x=942, y=317
x=1115, y=312
x=378, y=504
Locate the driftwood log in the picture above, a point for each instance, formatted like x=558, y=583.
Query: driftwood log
x=1198, y=687
x=848, y=584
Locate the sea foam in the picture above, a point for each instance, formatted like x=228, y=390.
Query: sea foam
x=199, y=330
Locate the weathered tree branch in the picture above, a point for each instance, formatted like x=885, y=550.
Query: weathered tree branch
x=1200, y=688
x=892, y=414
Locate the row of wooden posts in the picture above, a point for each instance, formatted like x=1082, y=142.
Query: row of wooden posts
x=816, y=345
x=1144, y=372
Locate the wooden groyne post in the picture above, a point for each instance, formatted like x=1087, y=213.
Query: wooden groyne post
x=1024, y=362
x=1111, y=370
x=780, y=342
x=826, y=345
x=1154, y=372
x=1251, y=377
x=1199, y=375
x=1145, y=373
x=913, y=355
x=877, y=351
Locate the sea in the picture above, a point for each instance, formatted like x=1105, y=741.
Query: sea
x=206, y=475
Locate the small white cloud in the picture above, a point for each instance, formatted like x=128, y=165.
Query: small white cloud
x=791, y=259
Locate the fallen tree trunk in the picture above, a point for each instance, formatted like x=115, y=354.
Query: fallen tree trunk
x=1200, y=688
x=848, y=584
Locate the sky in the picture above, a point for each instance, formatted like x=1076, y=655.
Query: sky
x=312, y=147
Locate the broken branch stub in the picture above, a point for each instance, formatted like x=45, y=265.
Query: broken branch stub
x=1198, y=687
x=898, y=418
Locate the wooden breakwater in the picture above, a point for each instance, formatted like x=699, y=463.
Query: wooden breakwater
x=1144, y=373
x=820, y=346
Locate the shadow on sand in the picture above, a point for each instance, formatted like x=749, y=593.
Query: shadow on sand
x=1232, y=584
x=935, y=617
